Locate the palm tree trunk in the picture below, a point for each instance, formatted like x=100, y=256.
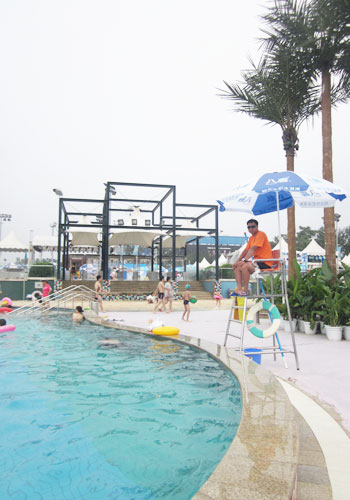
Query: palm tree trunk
x=292, y=247
x=327, y=167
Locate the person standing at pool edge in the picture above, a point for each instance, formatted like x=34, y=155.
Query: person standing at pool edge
x=46, y=292
x=187, y=296
x=99, y=291
x=160, y=293
x=258, y=247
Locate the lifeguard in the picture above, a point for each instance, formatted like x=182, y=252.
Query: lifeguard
x=258, y=247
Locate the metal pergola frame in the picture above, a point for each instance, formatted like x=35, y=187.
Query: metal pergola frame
x=160, y=215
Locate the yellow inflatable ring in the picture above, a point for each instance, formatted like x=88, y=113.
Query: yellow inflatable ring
x=166, y=330
x=274, y=316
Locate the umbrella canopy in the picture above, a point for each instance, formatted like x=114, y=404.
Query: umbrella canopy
x=313, y=248
x=85, y=236
x=11, y=244
x=134, y=237
x=280, y=190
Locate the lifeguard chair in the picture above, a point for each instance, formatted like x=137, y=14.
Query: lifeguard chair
x=238, y=311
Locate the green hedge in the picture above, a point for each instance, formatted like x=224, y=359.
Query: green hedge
x=41, y=271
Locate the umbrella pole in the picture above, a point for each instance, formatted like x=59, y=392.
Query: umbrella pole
x=279, y=221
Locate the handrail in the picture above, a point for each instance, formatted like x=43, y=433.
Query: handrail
x=61, y=296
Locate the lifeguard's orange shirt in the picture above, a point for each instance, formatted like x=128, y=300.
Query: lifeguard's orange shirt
x=264, y=248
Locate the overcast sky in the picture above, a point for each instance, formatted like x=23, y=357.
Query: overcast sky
x=111, y=90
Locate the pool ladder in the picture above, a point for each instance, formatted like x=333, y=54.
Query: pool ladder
x=57, y=300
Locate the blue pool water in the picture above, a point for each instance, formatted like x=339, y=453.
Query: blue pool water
x=149, y=419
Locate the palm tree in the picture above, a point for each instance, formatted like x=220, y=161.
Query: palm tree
x=280, y=92
x=320, y=30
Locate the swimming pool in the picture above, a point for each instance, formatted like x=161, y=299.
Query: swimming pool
x=149, y=419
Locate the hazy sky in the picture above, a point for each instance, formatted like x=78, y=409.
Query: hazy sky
x=111, y=90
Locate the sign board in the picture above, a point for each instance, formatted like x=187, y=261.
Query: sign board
x=38, y=284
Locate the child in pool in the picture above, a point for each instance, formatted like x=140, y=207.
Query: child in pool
x=78, y=314
x=186, y=297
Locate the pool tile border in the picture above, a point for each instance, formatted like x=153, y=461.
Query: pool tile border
x=261, y=462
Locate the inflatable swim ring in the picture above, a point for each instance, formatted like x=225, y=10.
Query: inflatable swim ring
x=193, y=300
x=166, y=330
x=37, y=295
x=274, y=315
x=7, y=328
x=217, y=297
x=5, y=309
x=6, y=301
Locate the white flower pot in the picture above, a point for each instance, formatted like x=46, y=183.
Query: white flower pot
x=334, y=333
x=305, y=327
x=286, y=325
x=346, y=332
x=322, y=327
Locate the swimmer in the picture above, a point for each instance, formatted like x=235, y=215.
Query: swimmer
x=78, y=315
x=109, y=342
x=2, y=322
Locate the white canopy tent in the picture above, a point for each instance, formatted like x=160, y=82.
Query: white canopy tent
x=12, y=244
x=346, y=260
x=222, y=260
x=134, y=237
x=183, y=236
x=85, y=236
x=204, y=264
x=314, y=249
x=284, y=246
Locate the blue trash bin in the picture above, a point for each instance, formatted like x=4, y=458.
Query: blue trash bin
x=253, y=354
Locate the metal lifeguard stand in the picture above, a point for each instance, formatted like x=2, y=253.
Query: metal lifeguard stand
x=278, y=268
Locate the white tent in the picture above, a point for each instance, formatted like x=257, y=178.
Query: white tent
x=204, y=264
x=182, y=236
x=11, y=244
x=346, y=260
x=222, y=260
x=84, y=236
x=313, y=248
x=284, y=246
x=134, y=237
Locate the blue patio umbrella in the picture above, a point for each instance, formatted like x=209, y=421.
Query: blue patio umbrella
x=276, y=191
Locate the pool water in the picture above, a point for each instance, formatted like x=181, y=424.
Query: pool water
x=148, y=419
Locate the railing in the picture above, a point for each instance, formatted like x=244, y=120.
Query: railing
x=57, y=300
